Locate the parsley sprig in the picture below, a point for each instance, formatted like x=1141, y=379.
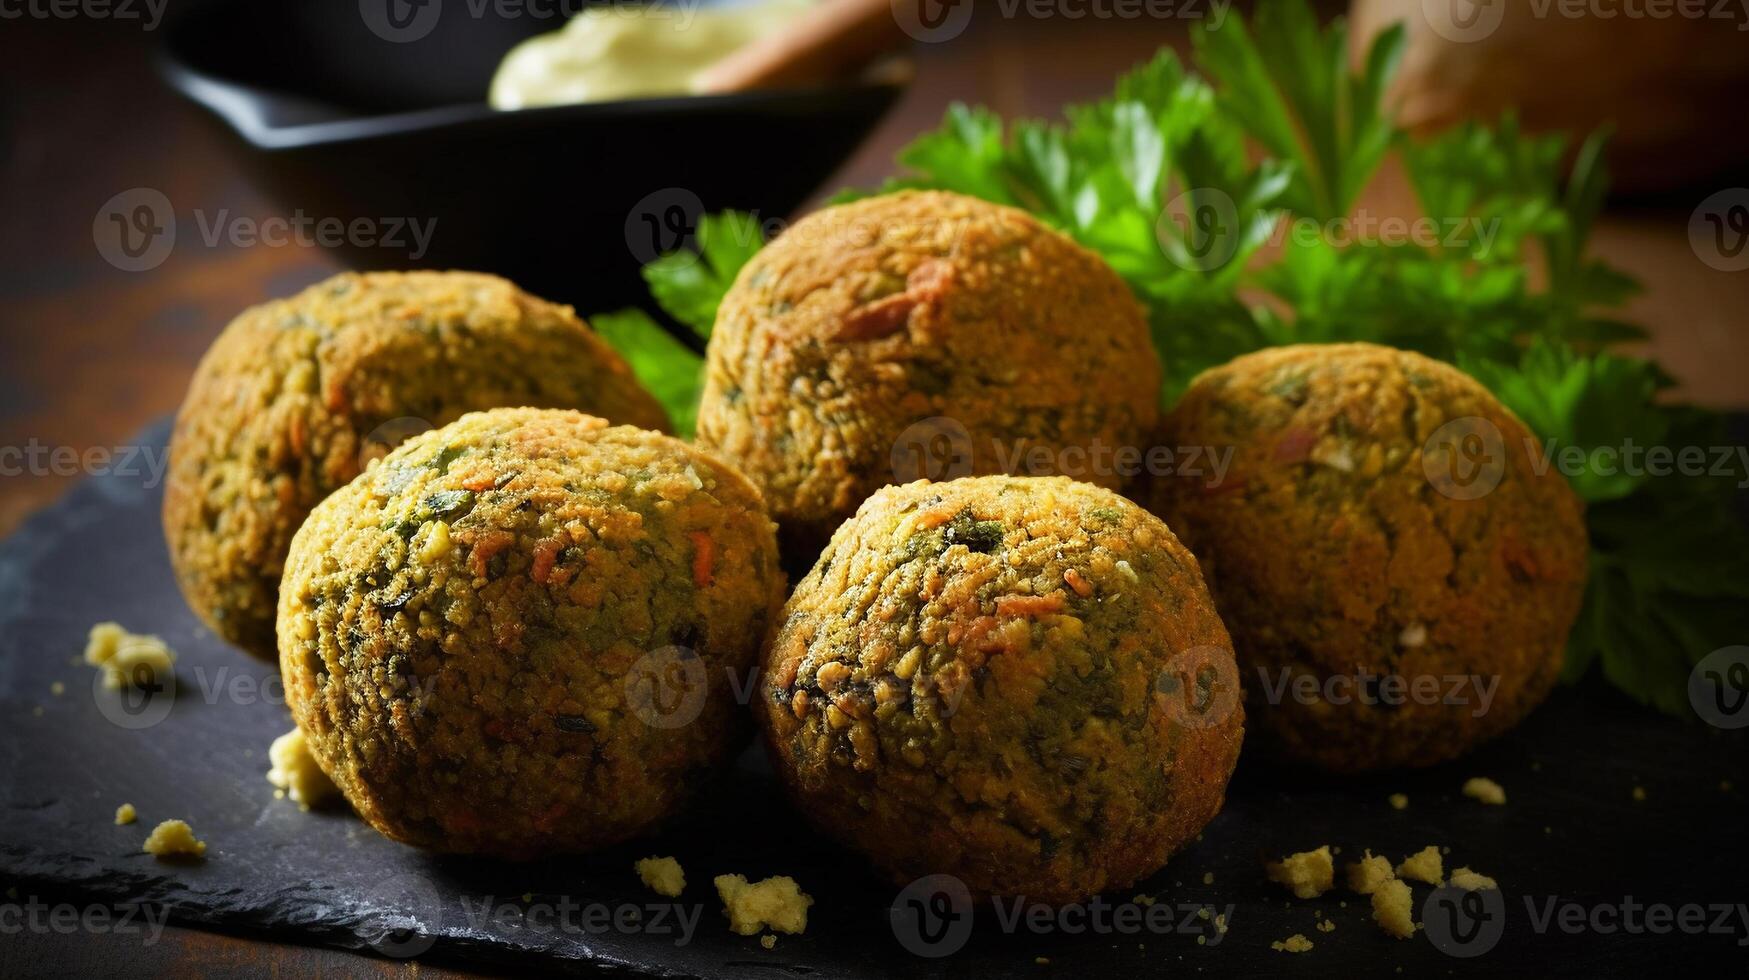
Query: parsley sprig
x=1161, y=179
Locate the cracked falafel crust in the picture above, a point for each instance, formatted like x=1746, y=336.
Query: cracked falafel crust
x=1336, y=548
x=517, y=635
x=298, y=394
x=1018, y=681
x=866, y=318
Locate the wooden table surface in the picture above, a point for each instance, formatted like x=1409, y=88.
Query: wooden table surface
x=92, y=354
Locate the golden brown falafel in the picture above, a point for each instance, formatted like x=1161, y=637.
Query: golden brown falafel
x=298, y=394
x=517, y=634
x=1398, y=577
x=921, y=334
x=1019, y=681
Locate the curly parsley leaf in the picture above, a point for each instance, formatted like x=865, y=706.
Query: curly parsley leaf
x=1287, y=83
x=689, y=284
x=670, y=370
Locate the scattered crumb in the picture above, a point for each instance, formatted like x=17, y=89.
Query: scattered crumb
x=1308, y=873
x=662, y=875
x=1639, y=794
x=1204, y=912
x=1144, y=900
x=57, y=689
x=1471, y=881
x=1042, y=960
x=1295, y=943
x=128, y=658
x=1393, y=909
x=1326, y=926
x=1424, y=865
x=527, y=898
x=295, y=772
x=768, y=940
x=125, y=814
x=1221, y=923
x=1208, y=877
x=1202, y=940
x=1399, y=801
x=174, y=838
x=775, y=902
x=1367, y=874
x=1484, y=790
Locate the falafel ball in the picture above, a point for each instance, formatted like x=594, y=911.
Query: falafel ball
x=1019, y=681
x=1398, y=576
x=296, y=395
x=921, y=335
x=516, y=635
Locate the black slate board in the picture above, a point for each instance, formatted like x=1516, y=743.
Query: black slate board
x=1571, y=832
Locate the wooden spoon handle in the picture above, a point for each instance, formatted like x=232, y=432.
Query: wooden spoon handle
x=826, y=43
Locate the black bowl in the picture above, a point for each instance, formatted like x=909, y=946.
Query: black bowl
x=341, y=119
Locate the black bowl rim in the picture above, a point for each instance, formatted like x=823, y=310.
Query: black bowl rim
x=239, y=105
